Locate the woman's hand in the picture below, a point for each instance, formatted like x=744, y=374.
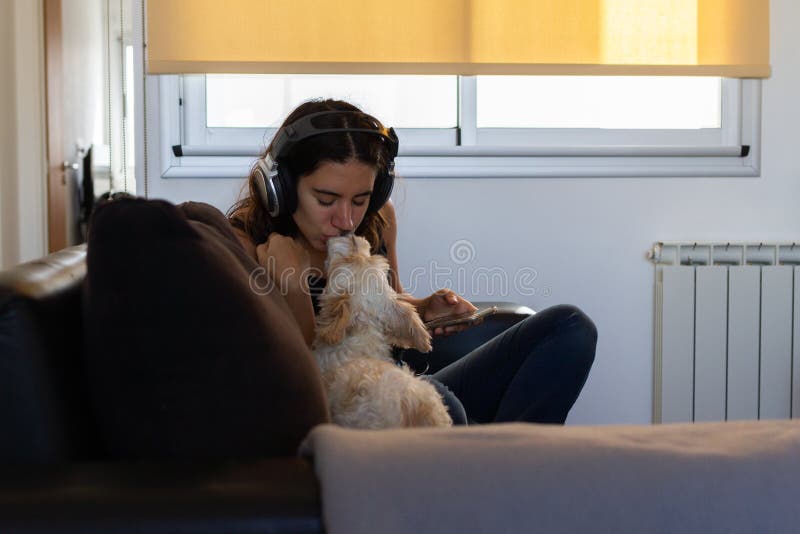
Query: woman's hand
x=445, y=303
x=285, y=260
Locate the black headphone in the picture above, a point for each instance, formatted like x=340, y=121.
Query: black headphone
x=278, y=188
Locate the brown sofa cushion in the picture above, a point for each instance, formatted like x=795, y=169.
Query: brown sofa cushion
x=185, y=360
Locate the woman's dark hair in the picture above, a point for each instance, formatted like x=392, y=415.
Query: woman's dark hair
x=250, y=215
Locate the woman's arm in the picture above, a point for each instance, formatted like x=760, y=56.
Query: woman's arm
x=442, y=303
x=287, y=263
x=294, y=290
x=299, y=300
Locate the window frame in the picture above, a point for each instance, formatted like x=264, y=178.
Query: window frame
x=471, y=152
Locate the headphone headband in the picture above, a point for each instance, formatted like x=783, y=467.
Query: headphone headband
x=304, y=127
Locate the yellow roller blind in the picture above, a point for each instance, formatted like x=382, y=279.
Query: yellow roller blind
x=671, y=37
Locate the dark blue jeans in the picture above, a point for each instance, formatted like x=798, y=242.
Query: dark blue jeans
x=532, y=372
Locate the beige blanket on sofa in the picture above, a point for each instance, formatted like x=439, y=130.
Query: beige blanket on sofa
x=687, y=478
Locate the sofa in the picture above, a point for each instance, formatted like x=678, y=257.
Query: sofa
x=60, y=469
x=121, y=410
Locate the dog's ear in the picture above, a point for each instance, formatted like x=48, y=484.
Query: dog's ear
x=405, y=328
x=333, y=319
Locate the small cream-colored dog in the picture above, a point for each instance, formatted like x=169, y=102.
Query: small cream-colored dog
x=360, y=319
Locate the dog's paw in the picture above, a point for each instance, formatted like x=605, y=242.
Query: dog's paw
x=420, y=337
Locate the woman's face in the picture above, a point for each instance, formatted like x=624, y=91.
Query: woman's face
x=332, y=200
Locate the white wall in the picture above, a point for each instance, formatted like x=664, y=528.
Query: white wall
x=22, y=132
x=85, y=92
x=587, y=238
x=84, y=44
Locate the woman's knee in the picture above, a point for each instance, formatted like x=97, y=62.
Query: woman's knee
x=578, y=322
x=568, y=316
x=454, y=406
x=572, y=325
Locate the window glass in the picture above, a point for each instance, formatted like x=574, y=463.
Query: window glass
x=611, y=102
x=261, y=101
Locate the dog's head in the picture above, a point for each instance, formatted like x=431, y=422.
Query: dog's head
x=358, y=293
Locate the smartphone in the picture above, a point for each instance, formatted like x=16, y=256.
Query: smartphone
x=467, y=318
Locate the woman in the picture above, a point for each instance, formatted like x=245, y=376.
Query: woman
x=333, y=164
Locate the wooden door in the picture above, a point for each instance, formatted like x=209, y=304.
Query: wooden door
x=56, y=171
x=77, y=41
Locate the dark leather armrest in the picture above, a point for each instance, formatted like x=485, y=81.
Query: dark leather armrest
x=271, y=495
x=447, y=349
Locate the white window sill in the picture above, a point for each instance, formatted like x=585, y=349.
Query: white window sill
x=513, y=167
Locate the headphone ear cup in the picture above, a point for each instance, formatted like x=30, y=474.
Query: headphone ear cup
x=382, y=190
x=285, y=191
x=265, y=191
x=272, y=190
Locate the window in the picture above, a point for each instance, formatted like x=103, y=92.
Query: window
x=483, y=126
x=611, y=102
x=248, y=101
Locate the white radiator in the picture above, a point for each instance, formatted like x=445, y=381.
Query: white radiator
x=727, y=331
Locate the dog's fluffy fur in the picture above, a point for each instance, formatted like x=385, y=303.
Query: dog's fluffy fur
x=360, y=319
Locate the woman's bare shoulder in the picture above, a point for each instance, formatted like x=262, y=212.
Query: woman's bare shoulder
x=390, y=234
x=390, y=240
x=246, y=241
